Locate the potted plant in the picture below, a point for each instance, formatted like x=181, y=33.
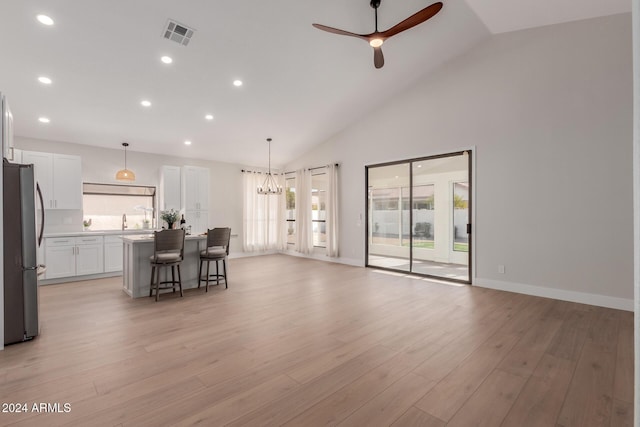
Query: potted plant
x=86, y=223
x=145, y=223
x=170, y=217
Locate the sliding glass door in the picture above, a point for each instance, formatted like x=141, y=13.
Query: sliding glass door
x=418, y=218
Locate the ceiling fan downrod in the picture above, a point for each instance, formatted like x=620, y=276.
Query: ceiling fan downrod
x=375, y=4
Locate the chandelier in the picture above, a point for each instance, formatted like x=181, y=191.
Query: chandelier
x=269, y=186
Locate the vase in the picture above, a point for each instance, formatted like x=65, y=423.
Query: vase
x=170, y=225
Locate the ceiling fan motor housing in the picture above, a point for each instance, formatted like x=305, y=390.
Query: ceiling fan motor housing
x=375, y=3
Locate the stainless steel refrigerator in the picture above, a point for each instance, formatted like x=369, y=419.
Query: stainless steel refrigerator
x=20, y=263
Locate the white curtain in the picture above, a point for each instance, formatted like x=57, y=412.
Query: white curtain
x=332, y=211
x=304, y=225
x=263, y=215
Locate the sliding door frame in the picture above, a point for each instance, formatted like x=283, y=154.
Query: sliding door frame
x=470, y=227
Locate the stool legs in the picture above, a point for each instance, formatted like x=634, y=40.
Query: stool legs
x=155, y=277
x=158, y=283
x=224, y=268
x=207, y=276
x=153, y=271
x=207, y=282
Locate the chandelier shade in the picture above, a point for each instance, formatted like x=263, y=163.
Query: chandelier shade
x=125, y=174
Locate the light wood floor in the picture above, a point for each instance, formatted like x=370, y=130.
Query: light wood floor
x=299, y=342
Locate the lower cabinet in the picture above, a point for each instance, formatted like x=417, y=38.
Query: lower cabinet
x=60, y=257
x=112, y=254
x=74, y=256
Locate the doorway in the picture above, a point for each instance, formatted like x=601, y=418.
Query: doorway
x=419, y=216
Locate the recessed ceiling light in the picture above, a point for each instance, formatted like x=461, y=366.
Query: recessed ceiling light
x=187, y=143
x=209, y=117
x=419, y=166
x=166, y=59
x=237, y=83
x=44, y=19
x=145, y=103
x=44, y=120
x=44, y=80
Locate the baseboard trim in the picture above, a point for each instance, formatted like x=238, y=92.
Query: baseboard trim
x=58, y=280
x=559, y=294
x=233, y=255
x=322, y=257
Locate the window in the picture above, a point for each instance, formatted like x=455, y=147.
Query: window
x=319, y=184
x=105, y=205
x=290, y=194
x=318, y=209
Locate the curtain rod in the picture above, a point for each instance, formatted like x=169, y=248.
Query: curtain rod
x=311, y=169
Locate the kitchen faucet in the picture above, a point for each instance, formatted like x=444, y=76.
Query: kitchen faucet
x=124, y=221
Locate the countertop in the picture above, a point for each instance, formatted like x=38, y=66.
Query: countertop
x=100, y=233
x=149, y=238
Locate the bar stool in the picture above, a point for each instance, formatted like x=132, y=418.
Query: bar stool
x=217, y=250
x=168, y=251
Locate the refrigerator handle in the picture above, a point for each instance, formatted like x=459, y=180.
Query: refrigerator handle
x=42, y=209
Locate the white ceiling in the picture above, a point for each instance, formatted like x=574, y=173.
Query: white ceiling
x=509, y=15
x=301, y=86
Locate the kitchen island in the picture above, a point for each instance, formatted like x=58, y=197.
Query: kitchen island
x=137, y=269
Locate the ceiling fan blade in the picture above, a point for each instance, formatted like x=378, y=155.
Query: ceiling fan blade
x=378, y=57
x=415, y=19
x=340, y=32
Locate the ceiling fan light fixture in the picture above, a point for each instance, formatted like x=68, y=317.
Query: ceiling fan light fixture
x=377, y=38
x=125, y=174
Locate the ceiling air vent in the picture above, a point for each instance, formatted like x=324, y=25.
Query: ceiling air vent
x=178, y=33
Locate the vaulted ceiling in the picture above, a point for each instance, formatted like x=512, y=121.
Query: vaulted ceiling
x=300, y=85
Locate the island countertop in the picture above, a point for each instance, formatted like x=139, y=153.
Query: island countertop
x=131, y=232
x=145, y=238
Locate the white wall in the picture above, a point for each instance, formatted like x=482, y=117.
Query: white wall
x=100, y=165
x=549, y=112
x=636, y=204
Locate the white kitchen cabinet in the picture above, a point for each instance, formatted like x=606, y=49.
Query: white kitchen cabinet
x=113, y=254
x=89, y=255
x=198, y=220
x=196, y=198
x=170, y=188
x=67, y=181
x=60, y=178
x=16, y=156
x=73, y=256
x=43, y=169
x=60, y=256
x=196, y=188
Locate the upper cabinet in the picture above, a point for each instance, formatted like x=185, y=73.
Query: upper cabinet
x=170, y=188
x=59, y=177
x=196, y=188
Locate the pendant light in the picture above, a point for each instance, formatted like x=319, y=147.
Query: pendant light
x=125, y=174
x=269, y=186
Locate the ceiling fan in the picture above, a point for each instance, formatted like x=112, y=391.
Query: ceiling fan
x=376, y=38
